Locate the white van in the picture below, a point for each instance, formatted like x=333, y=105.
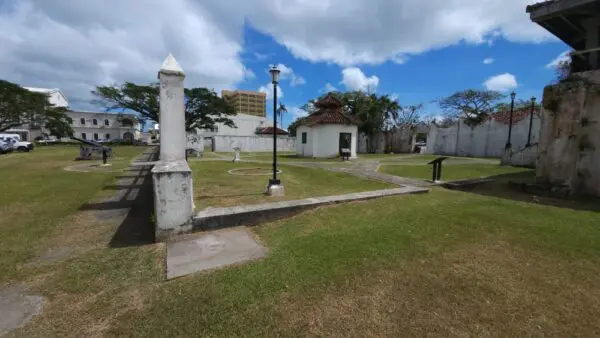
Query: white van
x=14, y=141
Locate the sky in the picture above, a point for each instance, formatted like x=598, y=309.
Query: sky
x=413, y=50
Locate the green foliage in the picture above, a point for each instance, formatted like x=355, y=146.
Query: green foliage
x=377, y=113
x=20, y=106
x=203, y=108
x=58, y=122
x=471, y=105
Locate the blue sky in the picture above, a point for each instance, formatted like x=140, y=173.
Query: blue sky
x=413, y=49
x=420, y=79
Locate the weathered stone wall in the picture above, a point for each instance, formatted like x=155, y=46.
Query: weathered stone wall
x=399, y=140
x=569, y=154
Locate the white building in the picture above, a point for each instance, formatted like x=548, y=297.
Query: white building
x=105, y=126
x=327, y=131
x=30, y=131
x=247, y=125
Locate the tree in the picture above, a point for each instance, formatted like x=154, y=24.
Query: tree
x=20, y=106
x=292, y=128
x=520, y=104
x=203, y=108
x=409, y=115
x=471, y=105
x=376, y=113
x=58, y=122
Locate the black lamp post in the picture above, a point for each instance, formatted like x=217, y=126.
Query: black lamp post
x=275, y=80
x=530, y=121
x=512, y=107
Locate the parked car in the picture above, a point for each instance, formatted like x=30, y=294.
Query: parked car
x=5, y=148
x=16, y=143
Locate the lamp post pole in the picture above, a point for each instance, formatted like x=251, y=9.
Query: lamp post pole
x=512, y=107
x=275, y=79
x=530, y=121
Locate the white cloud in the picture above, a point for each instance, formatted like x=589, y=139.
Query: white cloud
x=342, y=32
x=562, y=57
x=488, y=61
x=249, y=74
x=502, y=83
x=329, y=88
x=268, y=89
x=287, y=73
x=354, y=79
x=297, y=112
x=75, y=45
x=394, y=97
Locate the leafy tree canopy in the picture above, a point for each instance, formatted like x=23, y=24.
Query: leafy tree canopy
x=20, y=106
x=471, y=105
x=203, y=108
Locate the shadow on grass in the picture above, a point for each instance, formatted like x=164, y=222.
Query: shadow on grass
x=501, y=188
x=133, y=204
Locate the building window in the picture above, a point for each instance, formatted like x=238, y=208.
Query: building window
x=107, y=136
x=304, y=138
x=84, y=136
x=214, y=129
x=82, y=121
x=95, y=122
x=106, y=123
x=95, y=136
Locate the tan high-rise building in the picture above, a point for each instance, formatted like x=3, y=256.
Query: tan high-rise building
x=247, y=101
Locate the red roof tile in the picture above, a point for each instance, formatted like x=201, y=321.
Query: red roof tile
x=269, y=131
x=329, y=111
x=518, y=115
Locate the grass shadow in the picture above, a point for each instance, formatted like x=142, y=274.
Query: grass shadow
x=500, y=187
x=133, y=203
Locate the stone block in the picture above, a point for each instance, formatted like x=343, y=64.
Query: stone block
x=173, y=204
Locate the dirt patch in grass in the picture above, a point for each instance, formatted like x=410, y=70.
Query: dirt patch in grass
x=487, y=289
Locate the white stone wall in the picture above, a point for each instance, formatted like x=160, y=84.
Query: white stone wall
x=323, y=140
x=254, y=143
x=485, y=140
x=306, y=149
x=246, y=126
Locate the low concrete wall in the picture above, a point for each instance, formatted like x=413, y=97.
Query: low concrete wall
x=173, y=198
x=256, y=143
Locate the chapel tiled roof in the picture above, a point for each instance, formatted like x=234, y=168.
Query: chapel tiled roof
x=329, y=111
x=269, y=131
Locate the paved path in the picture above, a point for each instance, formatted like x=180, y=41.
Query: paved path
x=369, y=168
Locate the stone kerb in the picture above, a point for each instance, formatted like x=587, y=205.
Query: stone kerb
x=172, y=176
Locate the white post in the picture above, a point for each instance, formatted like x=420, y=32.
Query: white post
x=172, y=116
x=172, y=176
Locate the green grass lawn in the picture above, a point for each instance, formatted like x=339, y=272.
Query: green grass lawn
x=447, y=263
x=36, y=195
x=214, y=186
x=451, y=172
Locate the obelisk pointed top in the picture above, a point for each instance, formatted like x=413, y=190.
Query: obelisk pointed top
x=171, y=67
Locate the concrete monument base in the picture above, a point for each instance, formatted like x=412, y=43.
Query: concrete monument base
x=276, y=190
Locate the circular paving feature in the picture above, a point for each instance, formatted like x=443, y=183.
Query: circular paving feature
x=90, y=167
x=252, y=171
